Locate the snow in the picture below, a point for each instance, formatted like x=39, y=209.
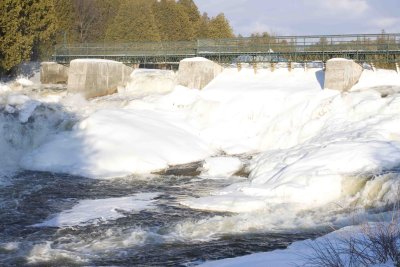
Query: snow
x=221, y=167
x=143, y=82
x=312, y=141
x=299, y=253
x=375, y=79
x=195, y=59
x=340, y=59
x=112, y=143
x=24, y=82
x=95, y=60
x=100, y=210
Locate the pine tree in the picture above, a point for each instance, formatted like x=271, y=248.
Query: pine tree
x=65, y=14
x=191, y=10
x=42, y=23
x=203, y=27
x=219, y=28
x=133, y=22
x=107, y=10
x=193, y=13
x=172, y=21
x=12, y=46
x=24, y=26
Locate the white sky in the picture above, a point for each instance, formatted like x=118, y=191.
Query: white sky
x=285, y=17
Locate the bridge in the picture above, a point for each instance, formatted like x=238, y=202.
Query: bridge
x=381, y=49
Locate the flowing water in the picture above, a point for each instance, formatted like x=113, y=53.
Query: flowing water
x=149, y=237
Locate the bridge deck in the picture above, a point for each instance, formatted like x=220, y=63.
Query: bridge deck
x=377, y=48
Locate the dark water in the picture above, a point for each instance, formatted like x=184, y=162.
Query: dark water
x=33, y=197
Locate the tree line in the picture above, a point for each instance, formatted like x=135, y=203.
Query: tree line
x=30, y=28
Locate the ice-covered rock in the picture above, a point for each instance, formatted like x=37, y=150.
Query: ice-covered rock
x=197, y=72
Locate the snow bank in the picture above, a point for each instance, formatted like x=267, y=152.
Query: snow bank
x=233, y=112
x=113, y=143
x=313, y=140
x=375, y=79
x=303, y=253
x=294, y=255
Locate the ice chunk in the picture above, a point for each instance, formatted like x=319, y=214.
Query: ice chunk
x=98, y=210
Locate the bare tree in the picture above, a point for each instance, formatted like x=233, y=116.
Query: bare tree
x=87, y=14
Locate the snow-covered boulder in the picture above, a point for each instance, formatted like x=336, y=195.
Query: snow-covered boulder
x=53, y=73
x=96, y=77
x=342, y=74
x=197, y=72
x=150, y=81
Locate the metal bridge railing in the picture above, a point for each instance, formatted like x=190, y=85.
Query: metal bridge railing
x=384, y=48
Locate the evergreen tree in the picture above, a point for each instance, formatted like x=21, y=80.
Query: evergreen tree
x=219, y=28
x=203, y=27
x=191, y=10
x=134, y=22
x=107, y=10
x=24, y=26
x=193, y=13
x=172, y=21
x=65, y=14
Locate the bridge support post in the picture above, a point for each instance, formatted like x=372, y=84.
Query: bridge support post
x=290, y=66
x=255, y=67
x=53, y=73
x=397, y=68
x=239, y=66
x=342, y=74
x=272, y=66
x=96, y=77
x=373, y=66
x=196, y=73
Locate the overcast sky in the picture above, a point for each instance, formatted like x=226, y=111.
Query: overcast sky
x=290, y=17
